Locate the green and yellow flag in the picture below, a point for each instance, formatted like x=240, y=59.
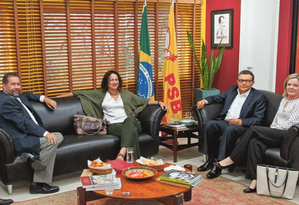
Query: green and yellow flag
x=145, y=73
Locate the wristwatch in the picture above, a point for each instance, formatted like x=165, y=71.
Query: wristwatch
x=158, y=102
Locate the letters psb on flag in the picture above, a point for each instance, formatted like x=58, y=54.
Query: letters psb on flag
x=171, y=80
x=145, y=74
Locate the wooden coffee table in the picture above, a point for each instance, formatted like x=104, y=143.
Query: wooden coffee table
x=141, y=190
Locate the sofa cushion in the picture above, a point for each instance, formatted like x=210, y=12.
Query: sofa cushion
x=273, y=101
x=75, y=150
x=60, y=120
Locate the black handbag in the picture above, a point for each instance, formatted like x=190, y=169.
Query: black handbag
x=89, y=125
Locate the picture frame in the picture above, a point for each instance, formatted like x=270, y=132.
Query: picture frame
x=222, y=28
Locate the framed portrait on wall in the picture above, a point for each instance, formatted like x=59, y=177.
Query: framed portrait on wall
x=222, y=28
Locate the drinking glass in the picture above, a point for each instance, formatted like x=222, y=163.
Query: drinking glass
x=189, y=116
x=109, y=184
x=130, y=155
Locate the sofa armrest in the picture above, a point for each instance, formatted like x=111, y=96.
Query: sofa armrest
x=150, y=118
x=208, y=112
x=289, y=146
x=6, y=148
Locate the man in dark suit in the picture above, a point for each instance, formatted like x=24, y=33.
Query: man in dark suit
x=243, y=106
x=35, y=145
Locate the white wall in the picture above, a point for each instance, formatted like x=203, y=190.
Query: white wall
x=259, y=39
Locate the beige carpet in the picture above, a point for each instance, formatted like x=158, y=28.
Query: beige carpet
x=217, y=191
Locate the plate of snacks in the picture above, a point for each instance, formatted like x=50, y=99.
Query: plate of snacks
x=157, y=164
x=139, y=172
x=99, y=167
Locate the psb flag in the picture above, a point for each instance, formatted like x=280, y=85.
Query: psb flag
x=145, y=74
x=171, y=79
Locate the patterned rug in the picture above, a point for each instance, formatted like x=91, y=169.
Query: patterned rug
x=217, y=191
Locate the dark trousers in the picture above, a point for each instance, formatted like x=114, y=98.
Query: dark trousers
x=128, y=131
x=220, y=138
x=253, y=145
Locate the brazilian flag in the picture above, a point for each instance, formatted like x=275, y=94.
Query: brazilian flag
x=145, y=73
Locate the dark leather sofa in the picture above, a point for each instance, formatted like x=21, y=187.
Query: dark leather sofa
x=75, y=150
x=285, y=156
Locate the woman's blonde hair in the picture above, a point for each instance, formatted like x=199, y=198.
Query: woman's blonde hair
x=292, y=76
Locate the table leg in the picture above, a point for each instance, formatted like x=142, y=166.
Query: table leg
x=81, y=197
x=175, y=146
x=179, y=199
x=189, y=140
x=188, y=195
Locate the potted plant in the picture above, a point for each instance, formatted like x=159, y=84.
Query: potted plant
x=207, y=68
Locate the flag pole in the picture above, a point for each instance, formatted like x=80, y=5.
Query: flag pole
x=144, y=6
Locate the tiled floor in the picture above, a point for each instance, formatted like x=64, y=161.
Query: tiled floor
x=71, y=182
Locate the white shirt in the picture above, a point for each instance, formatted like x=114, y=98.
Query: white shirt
x=236, y=106
x=113, y=110
x=287, y=114
x=41, y=99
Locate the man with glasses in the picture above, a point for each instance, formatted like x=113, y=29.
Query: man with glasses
x=243, y=106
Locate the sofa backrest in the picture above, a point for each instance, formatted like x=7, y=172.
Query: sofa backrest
x=61, y=119
x=273, y=101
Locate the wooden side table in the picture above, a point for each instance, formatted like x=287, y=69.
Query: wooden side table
x=174, y=135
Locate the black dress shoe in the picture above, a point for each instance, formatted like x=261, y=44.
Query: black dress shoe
x=34, y=161
x=215, y=171
x=5, y=201
x=42, y=188
x=206, y=166
x=249, y=190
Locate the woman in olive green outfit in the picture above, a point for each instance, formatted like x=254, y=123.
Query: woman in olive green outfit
x=119, y=107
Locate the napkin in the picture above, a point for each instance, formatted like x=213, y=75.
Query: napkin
x=172, y=167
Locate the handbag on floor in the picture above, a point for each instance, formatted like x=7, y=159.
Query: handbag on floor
x=276, y=181
x=89, y=125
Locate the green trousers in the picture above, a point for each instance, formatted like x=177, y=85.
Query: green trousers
x=128, y=131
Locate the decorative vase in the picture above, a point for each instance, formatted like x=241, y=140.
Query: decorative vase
x=201, y=94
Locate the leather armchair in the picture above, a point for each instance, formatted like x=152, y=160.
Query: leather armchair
x=285, y=156
x=75, y=150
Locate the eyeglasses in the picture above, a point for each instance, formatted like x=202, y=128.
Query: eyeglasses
x=244, y=81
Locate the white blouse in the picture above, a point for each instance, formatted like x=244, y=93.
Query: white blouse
x=287, y=114
x=113, y=110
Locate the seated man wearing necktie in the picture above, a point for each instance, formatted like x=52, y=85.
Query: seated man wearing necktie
x=243, y=106
x=36, y=146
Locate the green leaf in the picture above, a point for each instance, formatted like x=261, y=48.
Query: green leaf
x=207, y=70
x=193, y=51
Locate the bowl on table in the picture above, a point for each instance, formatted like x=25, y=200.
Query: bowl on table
x=139, y=172
x=99, y=167
x=187, y=122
